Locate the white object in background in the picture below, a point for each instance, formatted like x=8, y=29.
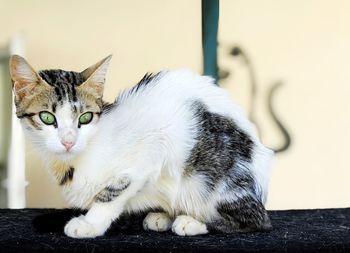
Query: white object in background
x=16, y=182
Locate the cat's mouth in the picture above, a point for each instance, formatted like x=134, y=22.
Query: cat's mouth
x=65, y=154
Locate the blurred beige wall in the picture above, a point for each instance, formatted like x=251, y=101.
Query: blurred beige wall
x=303, y=42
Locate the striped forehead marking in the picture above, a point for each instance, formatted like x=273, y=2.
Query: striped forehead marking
x=64, y=83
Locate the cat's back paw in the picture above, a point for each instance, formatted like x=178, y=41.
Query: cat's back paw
x=157, y=222
x=186, y=225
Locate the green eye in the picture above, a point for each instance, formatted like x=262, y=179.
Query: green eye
x=47, y=117
x=85, y=118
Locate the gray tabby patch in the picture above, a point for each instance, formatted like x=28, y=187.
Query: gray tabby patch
x=221, y=144
x=112, y=191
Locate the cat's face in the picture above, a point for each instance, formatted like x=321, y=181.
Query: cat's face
x=59, y=109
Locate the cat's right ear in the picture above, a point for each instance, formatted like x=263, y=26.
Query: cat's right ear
x=24, y=77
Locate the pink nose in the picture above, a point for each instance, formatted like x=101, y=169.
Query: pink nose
x=68, y=144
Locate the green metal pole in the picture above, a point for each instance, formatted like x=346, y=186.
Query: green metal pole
x=210, y=20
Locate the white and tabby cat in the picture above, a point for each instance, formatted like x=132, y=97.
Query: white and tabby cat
x=173, y=143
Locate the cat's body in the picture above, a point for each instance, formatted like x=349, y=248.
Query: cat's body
x=175, y=142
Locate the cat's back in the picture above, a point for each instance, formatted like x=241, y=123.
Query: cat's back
x=171, y=89
x=181, y=85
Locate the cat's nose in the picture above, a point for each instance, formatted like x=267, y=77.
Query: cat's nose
x=68, y=144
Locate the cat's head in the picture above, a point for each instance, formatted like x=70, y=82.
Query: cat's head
x=58, y=109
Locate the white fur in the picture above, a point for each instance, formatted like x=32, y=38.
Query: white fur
x=78, y=227
x=159, y=222
x=186, y=225
x=147, y=138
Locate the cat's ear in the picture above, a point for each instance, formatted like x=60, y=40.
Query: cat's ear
x=95, y=77
x=24, y=78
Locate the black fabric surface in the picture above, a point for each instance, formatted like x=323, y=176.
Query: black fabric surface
x=41, y=230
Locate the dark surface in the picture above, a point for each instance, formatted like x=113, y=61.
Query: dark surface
x=41, y=230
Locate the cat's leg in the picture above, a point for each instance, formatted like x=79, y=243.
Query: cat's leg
x=159, y=222
x=186, y=225
x=245, y=214
x=107, y=207
x=95, y=223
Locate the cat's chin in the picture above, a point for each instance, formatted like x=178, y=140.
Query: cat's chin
x=66, y=155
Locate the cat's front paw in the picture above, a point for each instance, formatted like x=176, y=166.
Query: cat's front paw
x=186, y=225
x=157, y=222
x=78, y=227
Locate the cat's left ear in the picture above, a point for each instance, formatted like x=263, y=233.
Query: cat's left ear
x=95, y=77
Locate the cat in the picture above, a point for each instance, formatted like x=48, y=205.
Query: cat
x=174, y=144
